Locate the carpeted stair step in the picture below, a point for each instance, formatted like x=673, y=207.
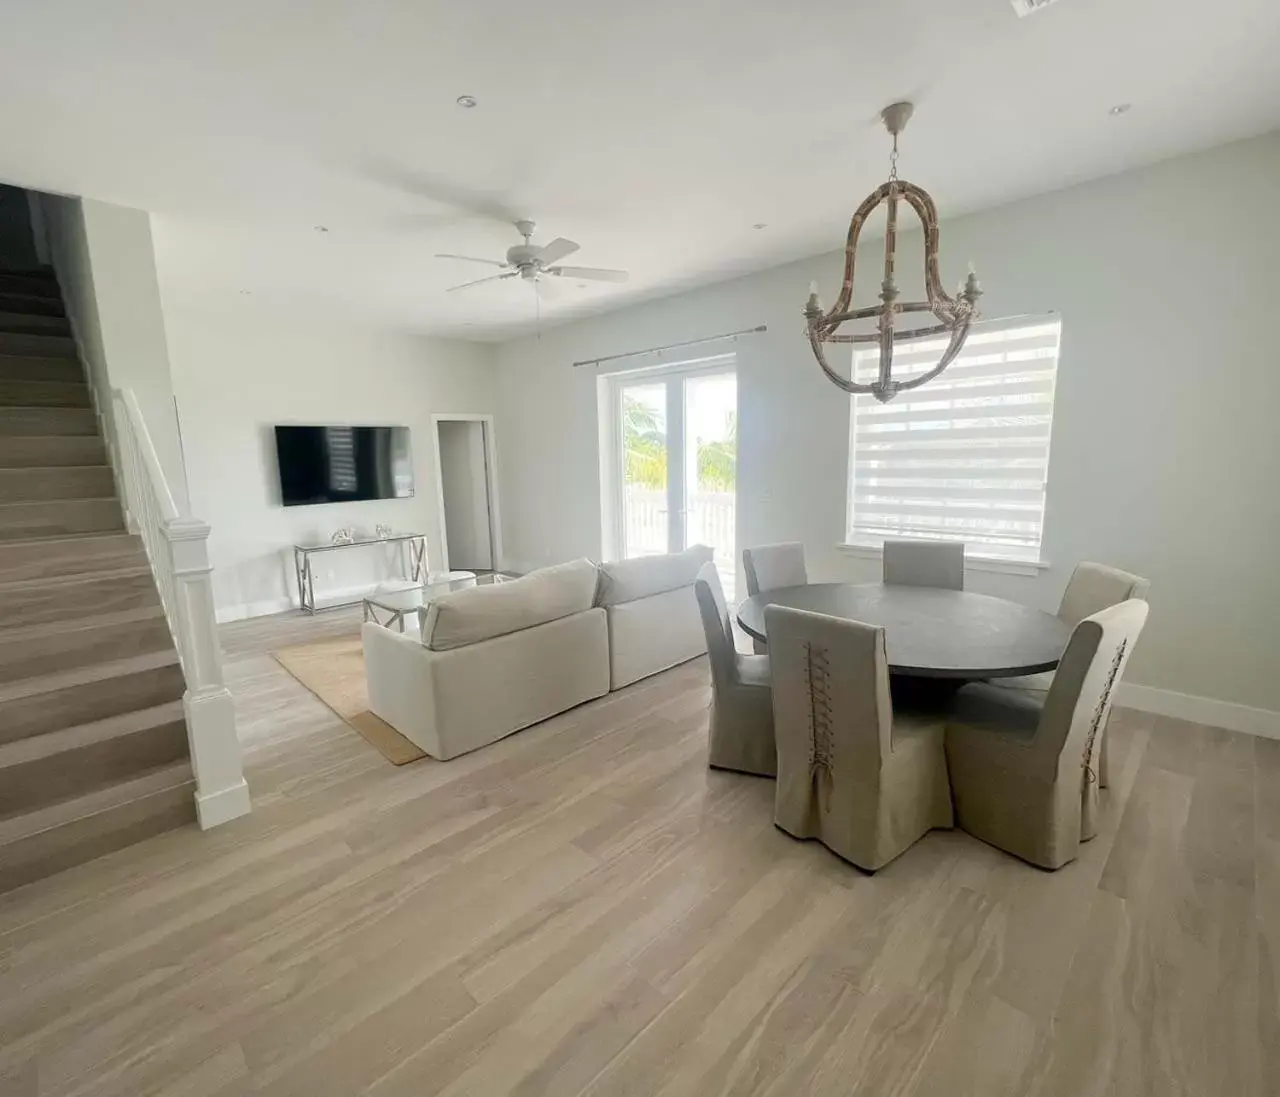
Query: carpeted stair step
x=29, y=485
x=29, y=323
x=42, y=346
x=61, y=765
x=31, y=367
x=69, y=557
x=44, y=394
x=51, y=451
x=24, y=422
x=70, y=832
x=32, y=651
x=37, y=706
x=59, y=517
x=40, y=601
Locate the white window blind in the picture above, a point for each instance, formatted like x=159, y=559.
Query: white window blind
x=965, y=456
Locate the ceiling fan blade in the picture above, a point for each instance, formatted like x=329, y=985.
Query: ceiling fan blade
x=490, y=278
x=470, y=259
x=546, y=289
x=558, y=249
x=593, y=274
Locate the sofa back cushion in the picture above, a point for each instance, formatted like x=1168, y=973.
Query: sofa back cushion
x=630, y=580
x=469, y=616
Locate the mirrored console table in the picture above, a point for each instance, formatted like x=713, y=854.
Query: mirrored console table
x=416, y=543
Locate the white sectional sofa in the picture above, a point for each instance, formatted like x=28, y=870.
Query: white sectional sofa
x=491, y=660
x=494, y=659
x=654, y=621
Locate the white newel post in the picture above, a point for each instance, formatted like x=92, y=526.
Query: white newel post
x=221, y=791
x=178, y=550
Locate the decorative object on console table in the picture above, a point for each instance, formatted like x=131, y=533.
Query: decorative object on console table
x=344, y=536
x=383, y=531
x=305, y=573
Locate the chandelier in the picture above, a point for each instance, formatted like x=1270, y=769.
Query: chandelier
x=954, y=314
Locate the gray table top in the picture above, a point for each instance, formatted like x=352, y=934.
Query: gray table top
x=930, y=632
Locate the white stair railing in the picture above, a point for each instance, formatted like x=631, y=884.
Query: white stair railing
x=177, y=547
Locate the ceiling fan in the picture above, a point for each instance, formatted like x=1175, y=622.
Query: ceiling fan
x=536, y=264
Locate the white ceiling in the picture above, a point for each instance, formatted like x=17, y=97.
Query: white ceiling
x=656, y=133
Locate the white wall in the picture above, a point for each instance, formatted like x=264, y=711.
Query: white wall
x=238, y=373
x=1165, y=447
x=106, y=266
x=466, y=493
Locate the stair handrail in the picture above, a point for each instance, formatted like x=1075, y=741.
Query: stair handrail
x=177, y=546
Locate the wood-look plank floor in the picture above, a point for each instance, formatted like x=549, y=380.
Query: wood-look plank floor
x=585, y=909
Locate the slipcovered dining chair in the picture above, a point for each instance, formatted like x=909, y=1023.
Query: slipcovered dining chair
x=1092, y=587
x=741, y=735
x=865, y=781
x=924, y=564
x=1024, y=767
x=769, y=567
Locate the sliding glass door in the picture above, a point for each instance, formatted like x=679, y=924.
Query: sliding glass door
x=677, y=437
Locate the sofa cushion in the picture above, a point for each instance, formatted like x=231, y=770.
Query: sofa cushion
x=652, y=634
x=643, y=576
x=468, y=616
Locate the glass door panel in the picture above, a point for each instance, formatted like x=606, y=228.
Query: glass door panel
x=710, y=464
x=646, y=516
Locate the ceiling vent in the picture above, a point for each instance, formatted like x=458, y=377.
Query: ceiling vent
x=1030, y=7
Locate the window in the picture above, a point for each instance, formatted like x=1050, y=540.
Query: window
x=965, y=456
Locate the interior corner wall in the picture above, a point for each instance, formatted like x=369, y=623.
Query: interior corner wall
x=105, y=261
x=239, y=372
x=1164, y=449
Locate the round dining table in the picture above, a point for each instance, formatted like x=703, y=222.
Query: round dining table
x=929, y=632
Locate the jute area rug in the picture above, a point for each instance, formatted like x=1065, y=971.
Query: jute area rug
x=334, y=671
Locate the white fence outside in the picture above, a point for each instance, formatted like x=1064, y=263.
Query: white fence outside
x=710, y=521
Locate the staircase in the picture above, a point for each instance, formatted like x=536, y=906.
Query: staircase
x=93, y=741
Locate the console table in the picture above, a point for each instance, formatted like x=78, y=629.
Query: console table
x=302, y=554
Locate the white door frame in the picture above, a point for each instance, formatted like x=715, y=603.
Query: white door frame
x=491, y=484
x=612, y=386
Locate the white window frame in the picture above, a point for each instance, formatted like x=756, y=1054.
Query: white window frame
x=976, y=558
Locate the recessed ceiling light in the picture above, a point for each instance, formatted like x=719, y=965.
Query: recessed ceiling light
x=322, y=228
x=466, y=101
x=1121, y=108
x=760, y=225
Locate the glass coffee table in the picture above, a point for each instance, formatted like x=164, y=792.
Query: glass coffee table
x=389, y=608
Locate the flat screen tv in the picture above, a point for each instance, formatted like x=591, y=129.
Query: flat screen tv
x=343, y=464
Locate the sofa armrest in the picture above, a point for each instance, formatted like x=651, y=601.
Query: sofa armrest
x=397, y=669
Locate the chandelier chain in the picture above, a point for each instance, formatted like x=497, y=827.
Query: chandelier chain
x=893, y=161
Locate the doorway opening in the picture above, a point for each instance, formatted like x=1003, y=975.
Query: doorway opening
x=466, y=485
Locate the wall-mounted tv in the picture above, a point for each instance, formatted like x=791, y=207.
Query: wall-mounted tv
x=343, y=464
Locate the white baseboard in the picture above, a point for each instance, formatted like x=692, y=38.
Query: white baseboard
x=244, y=610
x=222, y=806
x=1200, y=710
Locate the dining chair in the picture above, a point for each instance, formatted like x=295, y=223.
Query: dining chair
x=741, y=733
x=866, y=781
x=924, y=564
x=1024, y=767
x=769, y=567
x=1092, y=587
